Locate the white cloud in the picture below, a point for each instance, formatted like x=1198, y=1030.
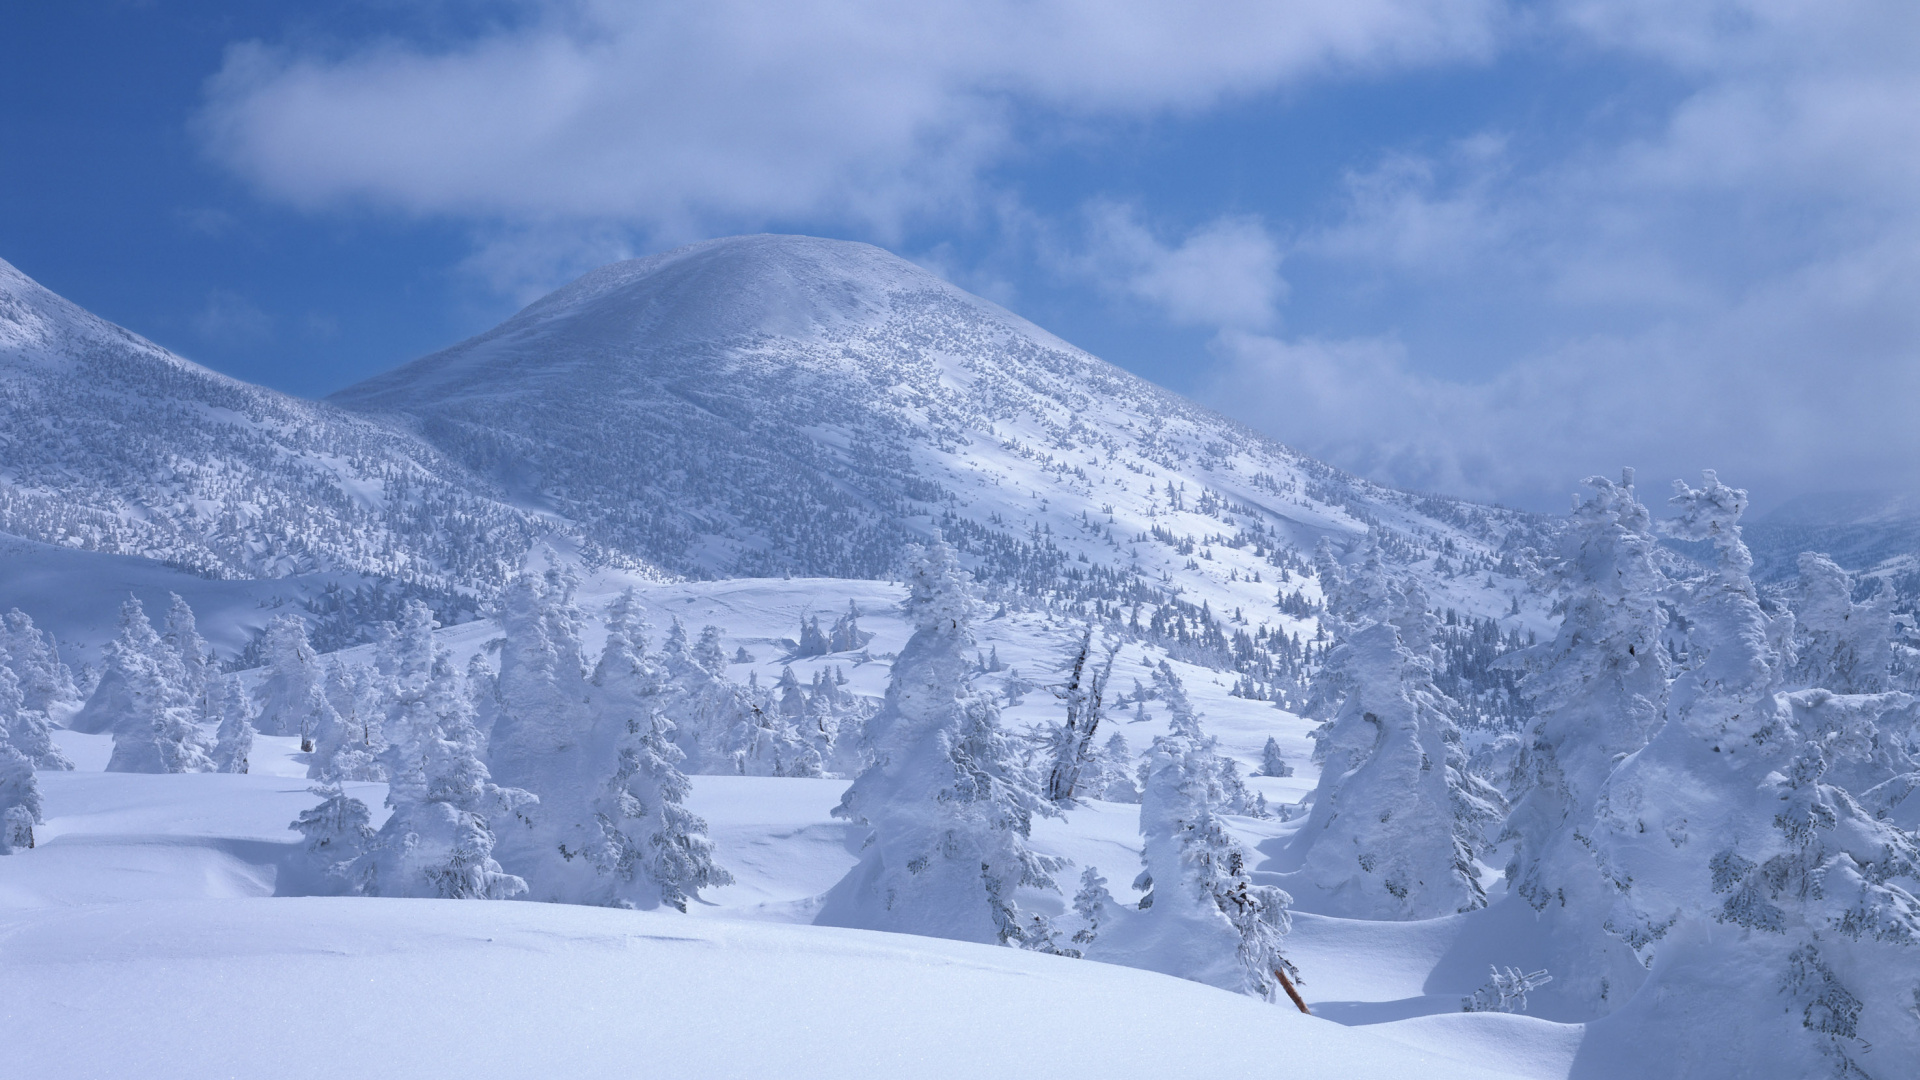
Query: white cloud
x=1225, y=274
x=1733, y=286
x=680, y=118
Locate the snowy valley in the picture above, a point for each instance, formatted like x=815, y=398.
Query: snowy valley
x=769, y=637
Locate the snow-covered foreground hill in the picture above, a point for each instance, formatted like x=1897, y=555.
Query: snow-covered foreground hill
x=427, y=988
x=149, y=911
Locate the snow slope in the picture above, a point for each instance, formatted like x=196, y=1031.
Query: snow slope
x=427, y=988
x=110, y=443
x=148, y=911
x=772, y=404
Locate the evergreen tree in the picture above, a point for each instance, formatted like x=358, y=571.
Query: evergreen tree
x=292, y=699
x=348, y=747
x=46, y=684
x=1202, y=917
x=1727, y=817
x=1117, y=770
x=233, y=744
x=1841, y=646
x=438, y=842
x=338, y=837
x=27, y=730
x=141, y=702
x=1273, y=761
x=949, y=804
x=1598, y=690
x=183, y=640
x=651, y=849
x=1397, y=819
x=20, y=808
x=709, y=653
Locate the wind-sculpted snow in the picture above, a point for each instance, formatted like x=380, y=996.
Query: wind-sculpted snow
x=109, y=443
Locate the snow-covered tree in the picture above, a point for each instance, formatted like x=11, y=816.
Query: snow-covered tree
x=1738, y=866
x=141, y=702
x=948, y=801
x=292, y=699
x=27, y=730
x=1841, y=646
x=233, y=744
x=1202, y=917
x=20, y=808
x=438, y=842
x=542, y=686
x=349, y=744
x=182, y=638
x=1071, y=750
x=649, y=848
x=1273, y=760
x=1117, y=771
x=338, y=835
x=1397, y=819
x=1598, y=691
x=46, y=684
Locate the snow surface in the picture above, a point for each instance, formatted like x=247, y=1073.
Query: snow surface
x=147, y=911
x=431, y=988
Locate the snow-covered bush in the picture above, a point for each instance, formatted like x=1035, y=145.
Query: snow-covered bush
x=1506, y=991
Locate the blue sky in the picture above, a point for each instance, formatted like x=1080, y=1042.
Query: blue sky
x=1462, y=245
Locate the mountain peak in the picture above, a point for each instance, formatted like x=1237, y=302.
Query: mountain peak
x=663, y=314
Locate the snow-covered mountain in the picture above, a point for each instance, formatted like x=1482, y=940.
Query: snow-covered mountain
x=110, y=443
x=769, y=404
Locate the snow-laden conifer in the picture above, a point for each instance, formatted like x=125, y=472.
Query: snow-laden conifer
x=292, y=699
x=228, y=706
x=182, y=637
x=1117, y=771
x=1598, y=690
x=649, y=848
x=1202, y=917
x=46, y=684
x=142, y=703
x=1840, y=645
x=348, y=747
x=20, y=807
x=438, y=842
x=948, y=801
x=1397, y=819
x=1273, y=760
x=1741, y=872
x=338, y=835
x=27, y=730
